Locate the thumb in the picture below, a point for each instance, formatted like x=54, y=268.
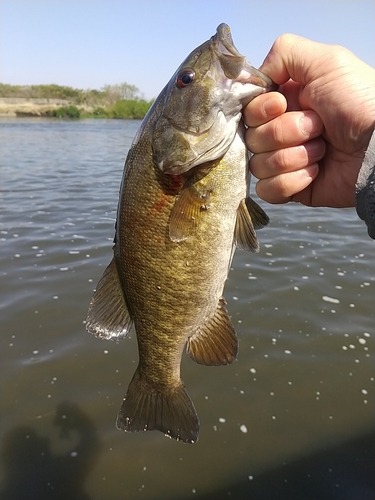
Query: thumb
x=294, y=57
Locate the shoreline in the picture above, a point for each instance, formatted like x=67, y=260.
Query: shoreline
x=33, y=110
x=56, y=101
x=125, y=110
x=74, y=108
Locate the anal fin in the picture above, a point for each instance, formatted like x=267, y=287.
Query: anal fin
x=108, y=316
x=215, y=343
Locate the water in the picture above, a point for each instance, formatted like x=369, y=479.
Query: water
x=292, y=418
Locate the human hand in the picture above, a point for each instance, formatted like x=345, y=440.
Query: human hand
x=309, y=140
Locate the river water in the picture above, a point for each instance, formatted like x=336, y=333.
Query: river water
x=292, y=418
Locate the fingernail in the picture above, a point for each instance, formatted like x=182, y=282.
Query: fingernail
x=310, y=123
x=315, y=149
x=271, y=106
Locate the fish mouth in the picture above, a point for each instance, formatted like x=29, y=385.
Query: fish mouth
x=234, y=64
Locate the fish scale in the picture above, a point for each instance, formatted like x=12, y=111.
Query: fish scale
x=183, y=208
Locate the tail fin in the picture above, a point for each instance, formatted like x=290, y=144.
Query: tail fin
x=147, y=407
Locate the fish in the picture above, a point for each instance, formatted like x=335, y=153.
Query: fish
x=184, y=207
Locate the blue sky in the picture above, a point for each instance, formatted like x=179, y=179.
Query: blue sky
x=90, y=43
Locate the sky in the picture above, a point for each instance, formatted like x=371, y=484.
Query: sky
x=87, y=44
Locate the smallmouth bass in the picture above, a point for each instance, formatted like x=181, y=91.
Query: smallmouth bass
x=184, y=207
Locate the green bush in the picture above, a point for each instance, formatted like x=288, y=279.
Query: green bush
x=100, y=112
x=65, y=112
x=131, y=109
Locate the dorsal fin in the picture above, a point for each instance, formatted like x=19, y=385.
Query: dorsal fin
x=215, y=343
x=108, y=316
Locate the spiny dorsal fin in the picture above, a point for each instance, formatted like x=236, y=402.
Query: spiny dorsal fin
x=249, y=216
x=108, y=316
x=148, y=407
x=189, y=206
x=216, y=342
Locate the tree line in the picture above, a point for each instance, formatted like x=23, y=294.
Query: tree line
x=111, y=101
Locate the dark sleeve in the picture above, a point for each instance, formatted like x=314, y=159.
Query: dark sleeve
x=365, y=189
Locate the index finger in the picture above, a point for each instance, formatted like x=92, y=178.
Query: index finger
x=264, y=108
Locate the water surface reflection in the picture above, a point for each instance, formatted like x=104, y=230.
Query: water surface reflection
x=294, y=412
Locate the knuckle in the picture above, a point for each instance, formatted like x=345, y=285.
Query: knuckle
x=249, y=138
x=273, y=190
x=255, y=165
x=282, y=159
x=283, y=41
x=278, y=131
x=282, y=186
x=291, y=157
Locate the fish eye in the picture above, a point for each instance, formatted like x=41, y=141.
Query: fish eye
x=185, y=78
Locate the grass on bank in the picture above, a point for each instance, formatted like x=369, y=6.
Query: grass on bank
x=124, y=109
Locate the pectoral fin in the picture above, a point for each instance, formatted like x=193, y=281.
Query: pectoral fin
x=250, y=216
x=188, y=208
x=258, y=215
x=216, y=342
x=108, y=316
